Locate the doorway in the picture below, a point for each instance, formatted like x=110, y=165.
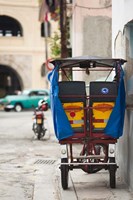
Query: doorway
x=10, y=81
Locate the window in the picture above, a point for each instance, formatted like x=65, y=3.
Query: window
x=43, y=70
x=33, y=93
x=45, y=27
x=10, y=27
x=69, y=1
x=42, y=93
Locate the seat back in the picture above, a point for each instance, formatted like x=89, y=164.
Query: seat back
x=103, y=91
x=73, y=97
x=72, y=91
x=102, y=101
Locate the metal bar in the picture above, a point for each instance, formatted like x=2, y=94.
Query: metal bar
x=71, y=152
x=46, y=37
x=87, y=163
x=91, y=156
x=90, y=69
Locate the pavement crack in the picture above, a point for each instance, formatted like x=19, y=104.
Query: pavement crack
x=6, y=161
x=74, y=188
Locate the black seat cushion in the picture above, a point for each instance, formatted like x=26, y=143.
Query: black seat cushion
x=72, y=91
x=103, y=91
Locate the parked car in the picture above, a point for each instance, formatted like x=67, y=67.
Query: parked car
x=26, y=100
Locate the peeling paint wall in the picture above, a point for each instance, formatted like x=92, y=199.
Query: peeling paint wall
x=92, y=24
x=97, y=36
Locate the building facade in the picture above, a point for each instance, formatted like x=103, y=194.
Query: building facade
x=122, y=47
x=22, y=46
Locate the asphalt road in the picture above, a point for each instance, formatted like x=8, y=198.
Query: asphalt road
x=29, y=169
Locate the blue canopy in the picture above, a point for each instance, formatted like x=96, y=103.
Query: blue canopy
x=114, y=127
x=62, y=126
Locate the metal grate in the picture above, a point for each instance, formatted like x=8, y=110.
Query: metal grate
x=45, y=162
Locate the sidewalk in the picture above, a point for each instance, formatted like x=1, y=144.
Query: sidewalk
x=83, y=186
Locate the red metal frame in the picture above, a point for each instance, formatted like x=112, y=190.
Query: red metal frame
x=88, y=137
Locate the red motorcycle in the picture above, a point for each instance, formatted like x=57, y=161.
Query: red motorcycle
x=38, y=119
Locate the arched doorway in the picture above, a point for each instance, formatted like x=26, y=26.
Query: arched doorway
x=10, y=81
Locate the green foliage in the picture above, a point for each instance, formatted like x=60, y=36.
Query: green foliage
x=55, y=45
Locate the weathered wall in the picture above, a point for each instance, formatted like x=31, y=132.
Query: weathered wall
x=97, y=36
x=92, y=28
x=122, y=40
x=92, y=32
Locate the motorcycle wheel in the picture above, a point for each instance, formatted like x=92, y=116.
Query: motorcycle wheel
x=39, y=131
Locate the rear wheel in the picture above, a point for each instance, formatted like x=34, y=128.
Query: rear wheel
x=64, y=173
x=39, y=131
x=112, y=173
x=38, y=137
x=18, y=107
x=89, y=150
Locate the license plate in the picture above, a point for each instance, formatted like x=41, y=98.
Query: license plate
x=39, y=121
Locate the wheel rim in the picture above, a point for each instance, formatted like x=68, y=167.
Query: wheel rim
x=18, y=108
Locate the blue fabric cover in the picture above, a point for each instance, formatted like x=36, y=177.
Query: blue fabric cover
x=114, y=127
x=62, y=126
